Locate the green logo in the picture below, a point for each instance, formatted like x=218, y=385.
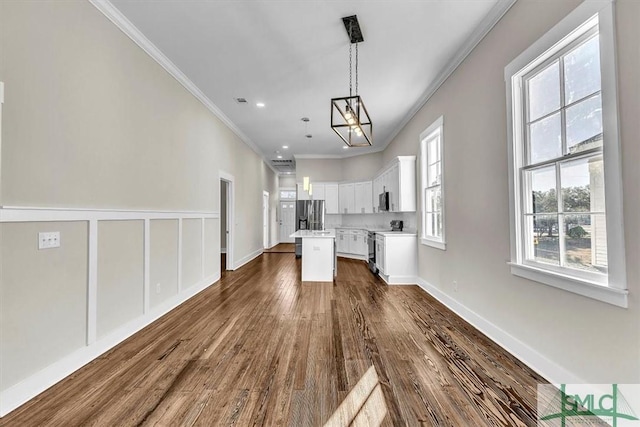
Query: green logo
x=583, y=405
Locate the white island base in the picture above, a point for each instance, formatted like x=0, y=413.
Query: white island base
x=318, y=255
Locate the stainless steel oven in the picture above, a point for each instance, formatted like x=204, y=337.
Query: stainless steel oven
x=371, y=242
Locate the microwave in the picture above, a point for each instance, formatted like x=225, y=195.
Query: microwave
x=383, y=205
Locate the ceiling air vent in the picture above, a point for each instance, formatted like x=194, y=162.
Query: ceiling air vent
x=241, y=100
x=284, y=165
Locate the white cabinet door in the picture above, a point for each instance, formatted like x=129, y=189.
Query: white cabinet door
x=331, y=204
x=363, y=246
x=367, y=190
x=302, y=195
x=318, y=192
x=353, y=242
x=342, y=241
x=347, y=202
x=358, y=189
x=394, y=188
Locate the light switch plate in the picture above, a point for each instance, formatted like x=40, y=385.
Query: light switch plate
x=49, y=240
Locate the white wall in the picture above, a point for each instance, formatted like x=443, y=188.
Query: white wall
x=319, y=170
x=90, y=121
x=287, y=181
x=589, y=340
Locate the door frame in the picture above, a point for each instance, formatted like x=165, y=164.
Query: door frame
x=229, y=180
x=266, y=230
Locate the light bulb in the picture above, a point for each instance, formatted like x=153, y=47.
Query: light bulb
x=351, y=121
x=348, y=116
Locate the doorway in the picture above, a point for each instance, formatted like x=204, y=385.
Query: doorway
x=287, y=221
x=226, y=222
x=265, y=219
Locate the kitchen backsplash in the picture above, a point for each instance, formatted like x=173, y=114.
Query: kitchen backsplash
x=371, y=220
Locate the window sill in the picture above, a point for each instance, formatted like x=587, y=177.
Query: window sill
x=617, y=297
x=434, y=244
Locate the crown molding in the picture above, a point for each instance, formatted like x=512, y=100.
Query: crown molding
x=127, y=27
x=487, y=24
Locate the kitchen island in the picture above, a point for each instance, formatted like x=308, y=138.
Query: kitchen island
x=318, y=255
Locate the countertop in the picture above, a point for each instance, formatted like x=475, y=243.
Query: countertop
x=326, y=234
x=397, y=233
x=379, y=230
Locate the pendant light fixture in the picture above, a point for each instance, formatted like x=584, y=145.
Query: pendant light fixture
x=349, y=117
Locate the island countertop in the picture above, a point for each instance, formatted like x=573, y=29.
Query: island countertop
x=327, y=234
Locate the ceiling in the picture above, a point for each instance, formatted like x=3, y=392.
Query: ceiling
x=293, y=56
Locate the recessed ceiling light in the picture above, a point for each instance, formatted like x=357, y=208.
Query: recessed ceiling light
x=285, y=147
x=345, y=147
x=260, y=104
x=278, y=156
x=288, y=173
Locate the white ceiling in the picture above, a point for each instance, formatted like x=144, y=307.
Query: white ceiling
x=293, y=56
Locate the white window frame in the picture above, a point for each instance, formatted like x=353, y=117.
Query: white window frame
x=436, y=130
x=614, y=289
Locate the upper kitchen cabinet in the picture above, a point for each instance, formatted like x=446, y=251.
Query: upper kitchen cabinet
x=331, y=204
x=302, y=193
x=327, y=192
x=363, y=197
x=347, y=198
x=399, y=179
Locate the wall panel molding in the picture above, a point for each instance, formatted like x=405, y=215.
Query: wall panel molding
x=38, y=381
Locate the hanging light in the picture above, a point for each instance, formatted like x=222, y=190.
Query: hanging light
x=349, y=117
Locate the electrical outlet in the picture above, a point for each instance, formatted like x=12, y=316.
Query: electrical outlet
x=49, y=240
x=158, y=288
x=455, y=286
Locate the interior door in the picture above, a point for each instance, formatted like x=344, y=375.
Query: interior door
x=287, y=221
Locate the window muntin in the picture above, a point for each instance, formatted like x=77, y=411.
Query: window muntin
x=563, y=213
x=431, y=142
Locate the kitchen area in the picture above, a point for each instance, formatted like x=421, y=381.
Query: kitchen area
x=373, y=221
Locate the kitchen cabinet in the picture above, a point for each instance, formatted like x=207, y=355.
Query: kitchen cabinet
x=380, y=255
x=397, y=257
x=352, y=242
x=302, y=194
x=356, y=198
x=318, y=192
x=363, y=197
x=331, y=204
x=399, y=179
x=347, y=198
x=342, y=241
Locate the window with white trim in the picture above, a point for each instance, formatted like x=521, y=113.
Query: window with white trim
x=431, y=165
x=566, y=216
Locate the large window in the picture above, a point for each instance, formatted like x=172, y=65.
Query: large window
x=565, y=162
x=431, y=164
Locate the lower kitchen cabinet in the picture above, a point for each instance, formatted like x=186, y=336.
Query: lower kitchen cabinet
x=352, y=243
x=397, y=257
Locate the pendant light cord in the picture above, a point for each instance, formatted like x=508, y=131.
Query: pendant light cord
x=350, y=63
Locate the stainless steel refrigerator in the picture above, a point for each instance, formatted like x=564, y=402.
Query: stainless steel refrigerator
x=309, y=216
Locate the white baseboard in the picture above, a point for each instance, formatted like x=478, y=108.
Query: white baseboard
x=353, y=256
x=274, y=245
x=30, y=387
x=548, y=369
x=253, y=255
x=398, y=280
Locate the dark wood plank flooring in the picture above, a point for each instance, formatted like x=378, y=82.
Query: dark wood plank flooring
x=260, y=348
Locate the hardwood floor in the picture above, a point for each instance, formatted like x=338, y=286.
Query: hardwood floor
x=283, y=248
x=260, y=348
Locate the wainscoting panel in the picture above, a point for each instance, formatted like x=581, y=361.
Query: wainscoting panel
x=63, y=307
x=120, y=288
x=164, y=260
